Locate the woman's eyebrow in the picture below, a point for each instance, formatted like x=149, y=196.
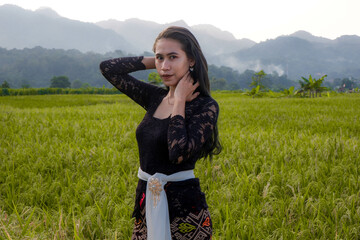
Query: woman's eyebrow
x=168, y=54
x=172, y=53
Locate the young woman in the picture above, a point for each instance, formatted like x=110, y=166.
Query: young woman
x=179, y=127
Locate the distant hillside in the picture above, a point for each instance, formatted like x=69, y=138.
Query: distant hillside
x=20, y=28
x=143, y=33
x=295, y=55
x=311, y=38
x=300, y=56
x=36, y=66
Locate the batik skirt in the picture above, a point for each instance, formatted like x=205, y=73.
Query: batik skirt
x=195, y=226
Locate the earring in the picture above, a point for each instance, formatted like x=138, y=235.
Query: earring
x=191, y=69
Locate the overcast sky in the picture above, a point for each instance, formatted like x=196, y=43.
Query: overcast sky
x=257, y=20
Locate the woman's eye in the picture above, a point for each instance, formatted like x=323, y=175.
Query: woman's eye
x=158, y=57
x=172, y=57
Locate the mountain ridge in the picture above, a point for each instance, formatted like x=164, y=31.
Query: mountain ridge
x=297, y=54
x=20, y=28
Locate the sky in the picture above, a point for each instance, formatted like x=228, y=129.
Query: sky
x=257, y=20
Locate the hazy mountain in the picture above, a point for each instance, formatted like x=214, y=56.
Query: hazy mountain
x=311, y=38
x=295, y=55
x=20, y=28
x=214, y=32
x=48, y=12
x=298, y=57
x=143, y=33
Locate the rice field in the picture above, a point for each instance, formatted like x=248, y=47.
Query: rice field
x=289, y=167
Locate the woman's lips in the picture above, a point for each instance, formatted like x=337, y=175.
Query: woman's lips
x=166, y=76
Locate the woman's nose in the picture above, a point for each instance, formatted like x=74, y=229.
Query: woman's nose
x=165, y=65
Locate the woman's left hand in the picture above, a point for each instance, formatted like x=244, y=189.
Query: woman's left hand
x=185, y=89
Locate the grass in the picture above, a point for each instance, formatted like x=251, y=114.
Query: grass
x=289, y=168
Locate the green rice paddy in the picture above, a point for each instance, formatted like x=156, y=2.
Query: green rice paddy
x=290, y=167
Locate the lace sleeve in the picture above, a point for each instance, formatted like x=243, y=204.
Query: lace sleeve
x=187, y=137
x=117, y=70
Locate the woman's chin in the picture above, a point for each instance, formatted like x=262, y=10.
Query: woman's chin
x=170, y=83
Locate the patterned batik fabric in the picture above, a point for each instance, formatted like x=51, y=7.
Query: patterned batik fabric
x=195, y=226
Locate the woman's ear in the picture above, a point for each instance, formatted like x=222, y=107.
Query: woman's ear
x=191, y=62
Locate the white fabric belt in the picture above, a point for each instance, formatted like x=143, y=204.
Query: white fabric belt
x=157, y=209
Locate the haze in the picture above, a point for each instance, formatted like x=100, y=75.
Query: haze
x=257, y=20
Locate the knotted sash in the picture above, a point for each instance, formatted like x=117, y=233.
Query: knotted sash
x=157, y=209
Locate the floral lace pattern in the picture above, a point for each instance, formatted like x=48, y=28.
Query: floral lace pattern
x=117, y=70
x=182, y=145
x=166, y=145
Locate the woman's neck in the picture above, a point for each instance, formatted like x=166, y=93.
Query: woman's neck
x=171, y=92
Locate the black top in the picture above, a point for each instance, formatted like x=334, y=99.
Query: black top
x=163, y=143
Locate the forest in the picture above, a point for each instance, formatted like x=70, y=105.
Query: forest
x=35, y=67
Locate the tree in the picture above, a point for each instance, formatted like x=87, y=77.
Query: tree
x=288, y=92
x=347, y=83
x=312, y=86
x=76, y=84
x=154, y=78
x=257, y=80
x=217, y=83
x=5, y=84
x=317, y=85
x=85, y=85
x=60, y=82
x=254, y=92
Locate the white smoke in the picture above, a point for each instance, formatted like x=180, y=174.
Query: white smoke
x=252, y=65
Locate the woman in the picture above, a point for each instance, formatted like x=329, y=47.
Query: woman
x=179, y=127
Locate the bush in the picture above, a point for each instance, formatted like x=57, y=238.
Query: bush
x=46, y=91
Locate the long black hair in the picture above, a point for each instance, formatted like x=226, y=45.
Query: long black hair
x=193, y=51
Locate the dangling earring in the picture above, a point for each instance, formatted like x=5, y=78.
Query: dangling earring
x=191, y=69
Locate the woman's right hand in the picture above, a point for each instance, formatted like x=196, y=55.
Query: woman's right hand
x=184, y=90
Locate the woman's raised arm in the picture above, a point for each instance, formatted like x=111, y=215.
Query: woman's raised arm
x=149, y=62
x=117, y=70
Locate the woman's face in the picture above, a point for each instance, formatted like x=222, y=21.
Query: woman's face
x=171, y=61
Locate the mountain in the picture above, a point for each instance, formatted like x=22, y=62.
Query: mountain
x=143, y=33
x=139, y=33
x=310, y=38
x=298, y=57
x=48, y=12
x=20, y=28
x=298, y=54
x=36, y=66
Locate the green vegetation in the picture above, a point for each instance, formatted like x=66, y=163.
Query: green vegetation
x=257, y=85
x=289, y=169
x=154, y=78
x=312, y=85
x=60, y=82
x=52, y=91
x=39, y=65
x=5, y=84
x=257, y=80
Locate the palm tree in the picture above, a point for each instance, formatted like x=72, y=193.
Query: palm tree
x=317, y=85
x=304, y=86
x=312, y=85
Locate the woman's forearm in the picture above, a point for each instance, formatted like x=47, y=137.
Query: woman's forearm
x=149, y=62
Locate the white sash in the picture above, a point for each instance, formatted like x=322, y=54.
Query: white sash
x=157, y=209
